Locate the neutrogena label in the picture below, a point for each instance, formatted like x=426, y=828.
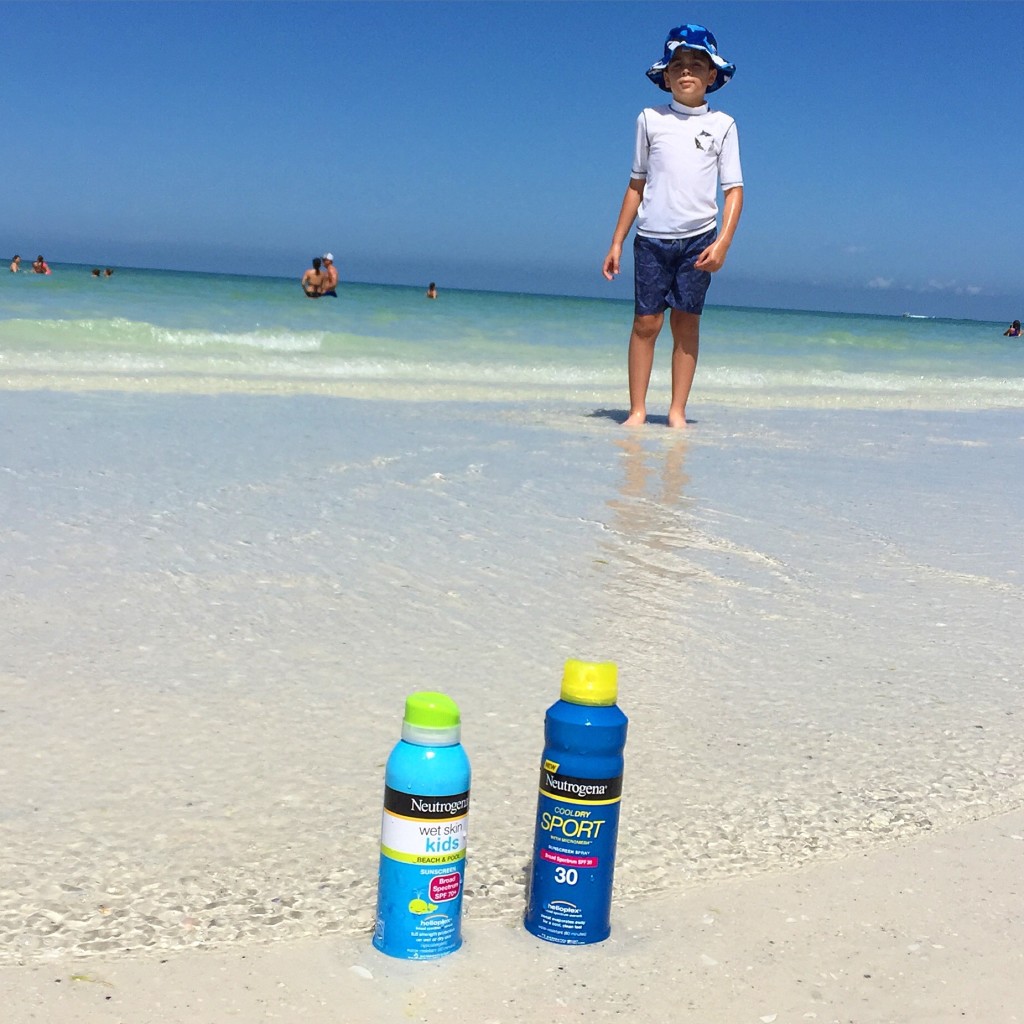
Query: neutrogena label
x=424, y=829
x=571, y=885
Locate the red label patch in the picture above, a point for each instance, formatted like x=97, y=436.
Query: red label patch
x=445, y=887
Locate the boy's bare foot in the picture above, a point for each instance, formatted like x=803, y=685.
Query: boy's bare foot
x=677, y=420
x=635, y=419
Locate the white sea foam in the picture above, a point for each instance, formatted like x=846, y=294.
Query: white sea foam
x=402, y=380
x=266, y=341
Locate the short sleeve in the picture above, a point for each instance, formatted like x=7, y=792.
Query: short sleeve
x=730, y=173
x=642, y=149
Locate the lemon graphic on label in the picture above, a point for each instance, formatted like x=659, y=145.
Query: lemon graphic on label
x=418, y=906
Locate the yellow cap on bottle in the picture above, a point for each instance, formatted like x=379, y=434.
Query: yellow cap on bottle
x=593, y=683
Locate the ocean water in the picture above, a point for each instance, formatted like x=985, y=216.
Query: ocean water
x=222, y=575
x=143, y=329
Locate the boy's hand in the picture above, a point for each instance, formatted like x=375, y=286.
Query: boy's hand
x=611, y=262
x=712, y=258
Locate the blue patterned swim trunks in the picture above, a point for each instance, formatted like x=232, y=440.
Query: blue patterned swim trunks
x=664, y=275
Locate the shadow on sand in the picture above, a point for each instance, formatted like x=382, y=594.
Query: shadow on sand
x=619, y=416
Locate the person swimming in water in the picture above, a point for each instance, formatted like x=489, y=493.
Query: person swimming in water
x=313, y=280
x=330, y=276
x=1013, y=331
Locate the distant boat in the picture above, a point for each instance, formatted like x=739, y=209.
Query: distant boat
x=918, y=316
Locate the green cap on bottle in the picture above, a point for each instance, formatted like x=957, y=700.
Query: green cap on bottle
x=431, y=711
x=431, y=719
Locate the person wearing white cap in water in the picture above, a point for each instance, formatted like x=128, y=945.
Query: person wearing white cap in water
x=331, y=272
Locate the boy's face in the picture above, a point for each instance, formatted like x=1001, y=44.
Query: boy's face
x=688, y=75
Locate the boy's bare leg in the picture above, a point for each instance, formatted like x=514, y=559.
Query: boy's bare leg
x=685, y=346
x=641, y=359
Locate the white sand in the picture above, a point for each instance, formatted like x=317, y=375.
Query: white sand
x=214, y=607
x=931, y=932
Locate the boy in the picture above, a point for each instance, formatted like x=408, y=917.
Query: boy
x=684, y=151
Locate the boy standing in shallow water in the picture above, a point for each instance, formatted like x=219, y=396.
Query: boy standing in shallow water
x=684, y=151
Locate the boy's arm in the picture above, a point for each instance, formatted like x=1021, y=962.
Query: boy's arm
x=713, y=257
x=630, y=205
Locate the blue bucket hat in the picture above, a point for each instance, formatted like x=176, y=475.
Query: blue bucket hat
x=692, y=37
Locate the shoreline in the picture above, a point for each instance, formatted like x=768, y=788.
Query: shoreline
x=524, y=399
x=927, y=931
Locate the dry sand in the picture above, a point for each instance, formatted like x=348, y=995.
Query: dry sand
x=929, y=932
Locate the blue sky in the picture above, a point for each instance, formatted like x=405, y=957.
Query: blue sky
x=487, y=145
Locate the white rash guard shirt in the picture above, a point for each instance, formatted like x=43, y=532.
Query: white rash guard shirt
x=684, y=154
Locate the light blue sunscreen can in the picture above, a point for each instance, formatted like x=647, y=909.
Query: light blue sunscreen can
x=423, y=834
x=570, y=895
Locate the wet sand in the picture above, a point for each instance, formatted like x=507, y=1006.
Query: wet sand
x=929, y=932
x=214, y=607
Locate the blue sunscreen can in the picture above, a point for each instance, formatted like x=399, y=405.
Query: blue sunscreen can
x=570, y=895
x=423, y=834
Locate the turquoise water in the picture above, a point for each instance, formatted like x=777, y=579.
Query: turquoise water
x=171, y=330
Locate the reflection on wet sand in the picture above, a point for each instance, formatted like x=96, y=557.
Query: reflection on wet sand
x=651, y=525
